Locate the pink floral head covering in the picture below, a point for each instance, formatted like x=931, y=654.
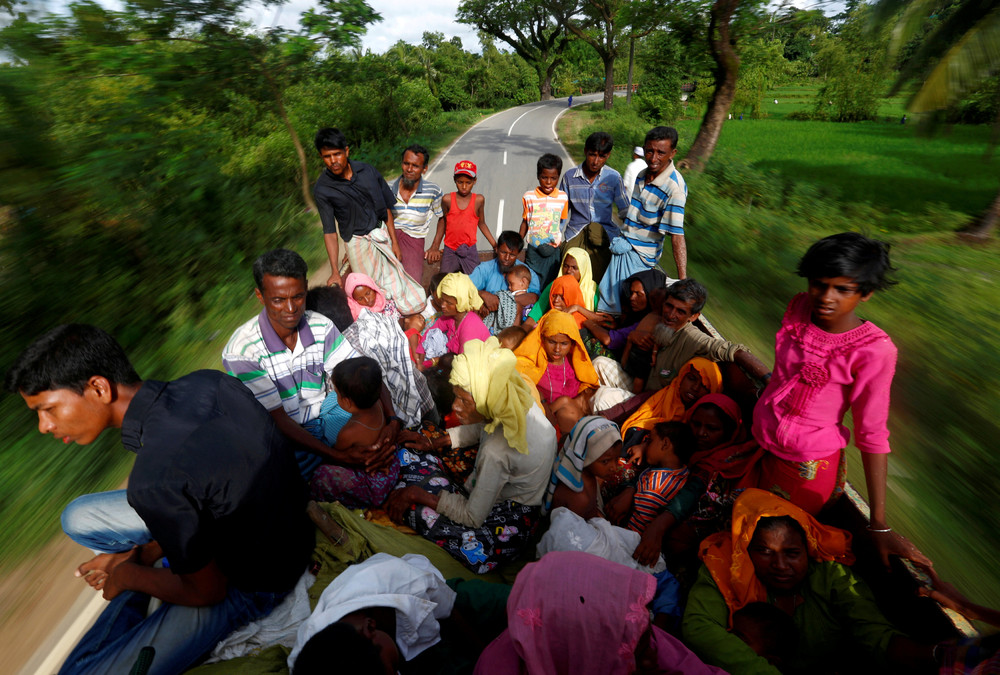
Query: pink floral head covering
x=353, y=281
x=572, y=613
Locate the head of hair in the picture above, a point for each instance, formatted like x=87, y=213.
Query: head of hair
x=601, y=141
x=769, y=523
x=330, y=137
x=331, y=302
x=442, y=392
x=435, y=281
x=680, y=436
x=662, y=134
x=512, y=240
x=521, y=272
x=548, y=161
x=689, y=290
x=418, y=149
x=279, y=262
x=66, y=357
x=515, y=334
x=359, y=379
x=342, y=644
x=728, y=423
x=849, y=254
x=777, y=632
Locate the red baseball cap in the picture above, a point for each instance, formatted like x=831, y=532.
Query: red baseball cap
x=466, y=167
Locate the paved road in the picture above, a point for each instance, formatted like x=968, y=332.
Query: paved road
x=505, y=148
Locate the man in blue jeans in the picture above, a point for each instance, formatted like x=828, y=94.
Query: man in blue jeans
x=215, y=493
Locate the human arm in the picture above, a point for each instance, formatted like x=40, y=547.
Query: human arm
x=523, y=229
x=391, y=228
x=434, y=254
x=886, y=541
x=333, y=253
x=949, y=596
x=492, y=473
x=483, y=227
x=600, y=333
x=618, y=507
x=595, y=317
x=490, y=303
x=679, y=247
x=202, y=588
x=704, y=628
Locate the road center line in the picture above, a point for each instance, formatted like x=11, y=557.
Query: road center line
x=499, y=219
x=520, y=116
x=505, y=158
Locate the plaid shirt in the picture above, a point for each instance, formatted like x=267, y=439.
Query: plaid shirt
x=656, y=209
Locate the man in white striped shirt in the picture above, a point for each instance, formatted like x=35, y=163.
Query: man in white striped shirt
x=656, y=206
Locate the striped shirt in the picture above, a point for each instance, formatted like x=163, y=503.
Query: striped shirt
x=545, y=214
x=413, y=217
x=656, y=209
x=294, y=379
x=655, y=489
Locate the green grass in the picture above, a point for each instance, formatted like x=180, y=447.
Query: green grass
x=774, y=186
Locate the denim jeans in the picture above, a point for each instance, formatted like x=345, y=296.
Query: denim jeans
x=181, y=636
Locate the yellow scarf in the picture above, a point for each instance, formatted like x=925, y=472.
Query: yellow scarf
x=460, y=287
x=587, y=285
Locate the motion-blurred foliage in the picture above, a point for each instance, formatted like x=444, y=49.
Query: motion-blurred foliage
x=145, y=163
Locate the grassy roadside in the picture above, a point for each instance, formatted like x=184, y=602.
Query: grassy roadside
x=748, y=222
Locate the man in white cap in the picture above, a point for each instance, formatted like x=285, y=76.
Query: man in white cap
x=637, y=164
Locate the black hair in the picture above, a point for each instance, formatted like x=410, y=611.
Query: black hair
x=442, y=392
x=512, y=240
x=777, y=631
x=435, y=281
x=601, y=141
x=339, y=647
x=849, y=254
x=359, y=379
x=548, y=161
x=769, y=523
x=689, y=290
x=728, y=423
x=653, y=281
x=417, y=149
x=331, y=302
x=680, y=437
x=66, y=357
x=330, y=137
x=279, y=262
x=662, y=134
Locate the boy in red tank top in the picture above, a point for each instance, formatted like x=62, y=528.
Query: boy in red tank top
x=463, y=212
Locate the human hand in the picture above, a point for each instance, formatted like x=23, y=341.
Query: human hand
x=606, y=320
x=415, y=441
x=890, y=543
x=648, y=551
x=114, y=584
x=334, y=279
x=96, y=570
x=641, y=339
x=490, y=302
x=619, y=506
x=433, y=256
x=400, y=501
x=395, y=250
x=382, y=451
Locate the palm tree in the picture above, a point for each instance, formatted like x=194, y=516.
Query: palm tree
x=954, y=58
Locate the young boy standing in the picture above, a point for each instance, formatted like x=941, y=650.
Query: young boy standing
x=464, y=211
x=546, y=210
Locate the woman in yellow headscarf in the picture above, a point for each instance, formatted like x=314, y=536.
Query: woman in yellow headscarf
x=697, y=377
x=493, y=517
x=459, y=300
x=575, y=263
x=554, y=358
x=778, y=555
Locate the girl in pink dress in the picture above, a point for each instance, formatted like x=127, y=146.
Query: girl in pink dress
x=828, y=360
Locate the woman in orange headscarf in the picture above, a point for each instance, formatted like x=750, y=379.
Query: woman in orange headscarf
x=778, y=555
x=696, y=378
x=554, y=358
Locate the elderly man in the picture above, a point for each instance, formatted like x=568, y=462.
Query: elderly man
x=490, y=276
x=417, y=201
x=594, y=191
x=354, y=199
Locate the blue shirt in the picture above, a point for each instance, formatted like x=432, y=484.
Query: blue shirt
x=592, y=202
x=487, y=277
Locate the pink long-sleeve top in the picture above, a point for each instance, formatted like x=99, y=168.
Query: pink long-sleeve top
x=817, y=377
x=471, y=328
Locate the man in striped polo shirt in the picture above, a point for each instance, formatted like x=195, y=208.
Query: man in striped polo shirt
x=656, y=206
x=283, y=354
x=417, y=201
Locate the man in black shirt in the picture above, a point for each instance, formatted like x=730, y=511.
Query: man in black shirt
x=353, y=197
x=214, y=492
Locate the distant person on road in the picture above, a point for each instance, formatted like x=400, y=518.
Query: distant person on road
x=352, y=197
x=637, y=164
x=464, y=212
x=569, y=103
x=417, y=201
x=594, y=190
x=544, y=216
x=214, y=490
x=656, y=210
x=490, y=277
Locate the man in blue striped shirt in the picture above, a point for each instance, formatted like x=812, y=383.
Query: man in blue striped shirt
x=656, y=207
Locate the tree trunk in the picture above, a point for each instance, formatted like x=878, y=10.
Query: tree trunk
x=544, y=81
x=982, y=228
x=609, y=82
x=727, y=66
x=631, y=69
